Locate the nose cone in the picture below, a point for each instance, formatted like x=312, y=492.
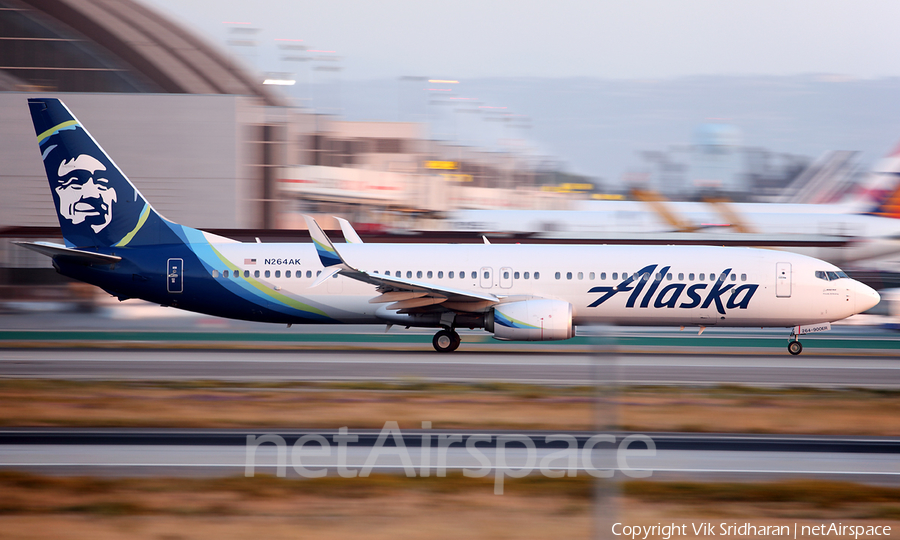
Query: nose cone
x=866, y=297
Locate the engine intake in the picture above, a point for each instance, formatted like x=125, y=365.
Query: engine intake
x=531, y=320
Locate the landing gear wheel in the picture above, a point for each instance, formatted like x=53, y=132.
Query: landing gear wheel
x=456, y=340
x=443, y=341
x=795, y=347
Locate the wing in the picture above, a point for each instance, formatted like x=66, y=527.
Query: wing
x=406, y=294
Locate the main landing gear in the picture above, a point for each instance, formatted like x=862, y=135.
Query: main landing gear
x=794, y=345
x=446, y=341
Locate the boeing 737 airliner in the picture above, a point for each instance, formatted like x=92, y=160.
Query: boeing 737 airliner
x=114, y=239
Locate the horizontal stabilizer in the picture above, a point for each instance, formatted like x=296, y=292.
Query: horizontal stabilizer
x=58, y=251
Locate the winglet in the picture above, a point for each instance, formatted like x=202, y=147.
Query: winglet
x=349, y=233
x=327, y=254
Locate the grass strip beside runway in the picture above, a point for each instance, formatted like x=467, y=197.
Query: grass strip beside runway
x=393, y=506
x=258, y=406
x=289, y=339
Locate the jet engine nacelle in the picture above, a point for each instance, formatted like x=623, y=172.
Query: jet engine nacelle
x=531, y=320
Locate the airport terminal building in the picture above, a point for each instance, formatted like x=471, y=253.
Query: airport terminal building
x=206, y=142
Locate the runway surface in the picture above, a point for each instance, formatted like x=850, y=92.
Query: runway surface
x=426, y=452
x=555, y=368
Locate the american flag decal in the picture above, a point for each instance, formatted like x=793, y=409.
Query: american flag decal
x=249, y=261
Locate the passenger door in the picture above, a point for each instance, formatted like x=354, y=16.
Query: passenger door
x=505, y=278
x=487, y=277
x=783, y=280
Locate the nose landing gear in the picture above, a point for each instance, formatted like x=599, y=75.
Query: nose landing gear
x=446, y=341
x=794, y=346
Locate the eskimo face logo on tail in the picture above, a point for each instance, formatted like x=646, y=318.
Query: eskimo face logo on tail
x=645, y=282
x=84, y=193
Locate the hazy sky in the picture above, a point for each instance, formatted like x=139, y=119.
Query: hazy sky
x=560, y=38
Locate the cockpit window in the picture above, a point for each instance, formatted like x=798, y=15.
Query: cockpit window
x=831, y=276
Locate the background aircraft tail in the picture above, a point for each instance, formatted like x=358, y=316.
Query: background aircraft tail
x=96, y=204
x=879, y=192
x=886, y=192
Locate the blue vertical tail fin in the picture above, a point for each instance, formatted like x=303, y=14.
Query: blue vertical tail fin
x=97, y=205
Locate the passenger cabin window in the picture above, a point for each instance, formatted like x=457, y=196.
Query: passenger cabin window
x=537, y=275
x=237, y=274
x=743, y=277
x=475, y=275
x=419, y=274
x=256, y=273
x=525, y=275
x=268, y=273
x=429, y=274
x=615, y=275
x=450, y=274
x=246, y=273
x=278, y=273
x=691, y=276
x=505, y=275
x=602, y=275
x=568, y=275
x=557, y=275
x=733, y=277
x=592, y=276
x=624, y=275
x=287, y=274
x=680, y=276
x=225, y=273
x=712, y=277
x=441, y=274
x=515, y=275
x=318, y=273
x=409, y=273
x=701, y=277
x=309, y=273
x=580, y=275
x=215, y=273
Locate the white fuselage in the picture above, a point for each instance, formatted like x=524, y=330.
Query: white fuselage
x=761, y=287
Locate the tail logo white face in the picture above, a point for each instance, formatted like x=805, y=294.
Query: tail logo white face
x=85, y=194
